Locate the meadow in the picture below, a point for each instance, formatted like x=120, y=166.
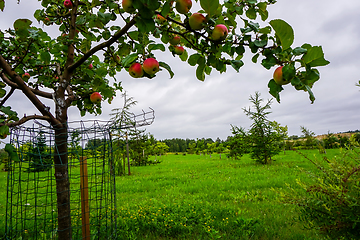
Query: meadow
x=203, y=197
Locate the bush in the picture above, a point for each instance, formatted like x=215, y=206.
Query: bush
x=330, y=202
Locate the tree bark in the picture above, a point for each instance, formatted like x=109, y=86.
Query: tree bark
x=61, y=175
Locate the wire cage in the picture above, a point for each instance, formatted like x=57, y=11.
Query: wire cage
x=32, y=207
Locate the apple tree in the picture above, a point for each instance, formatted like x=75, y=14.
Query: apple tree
x=80, y=45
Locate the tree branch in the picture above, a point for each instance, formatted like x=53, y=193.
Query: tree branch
x=15, y=86
x=25, y=119
x=27, y=91
x=108, y=43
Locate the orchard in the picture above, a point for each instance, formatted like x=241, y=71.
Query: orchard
x=96, y=39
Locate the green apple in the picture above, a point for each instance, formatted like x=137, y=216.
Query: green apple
x=136, y=71
x=95, y=97
x=179, y=50
x=197, y=21
x=278, y=76
x=220, y=32
x=151, y=66
x=128, y=6
x=175, y=40
x=183, y=6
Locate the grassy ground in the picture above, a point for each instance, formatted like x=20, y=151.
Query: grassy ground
x=198, y=197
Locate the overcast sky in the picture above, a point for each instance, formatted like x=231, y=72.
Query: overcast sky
x=188, y=108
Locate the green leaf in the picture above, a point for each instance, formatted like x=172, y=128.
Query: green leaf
x=200, y=72
x=45, y=56
x=129, y=59
x=299, y=50
x=283, y=32
x=166, y=8
x=193, y=59
x=21, y=27
x=251, y=13
x=11, y=150
x=156, y=47
x=275, y=89
x=289, y=72
x=314, y=56
x=311, y=94
x=2, y=92
x=210, y=6
x=237, y=64
x=269, y=62
x=184, y=56
x=255, y=57
x=167, y=67
x=2, y=5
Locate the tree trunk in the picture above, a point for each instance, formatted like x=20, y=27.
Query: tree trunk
x=61, y=175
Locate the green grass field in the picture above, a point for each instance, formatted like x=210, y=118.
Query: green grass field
x=198, y=197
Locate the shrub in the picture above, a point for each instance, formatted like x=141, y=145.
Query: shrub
x=330, y=202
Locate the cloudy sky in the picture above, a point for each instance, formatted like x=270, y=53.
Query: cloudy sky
x=188, y=108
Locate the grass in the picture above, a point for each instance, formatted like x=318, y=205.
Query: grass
x=198, y=197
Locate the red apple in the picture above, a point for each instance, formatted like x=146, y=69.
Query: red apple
x=175, y=40
x=136, y=70
x=197, y=21
x=183, y=6
x=95, y=97
x=26, y=75
x=151, y=66
x=91, y=66
x=179, y=50
x=220, y=32
x=160, y=18
x=128, y=6
x=68, y=4
x=278, y=76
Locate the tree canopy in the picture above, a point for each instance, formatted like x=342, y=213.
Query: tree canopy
x=97, y=39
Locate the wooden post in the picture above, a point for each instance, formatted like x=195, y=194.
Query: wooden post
x=85, y=211
x=127, y=153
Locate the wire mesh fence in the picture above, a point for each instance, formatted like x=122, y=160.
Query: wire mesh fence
x=32, y=197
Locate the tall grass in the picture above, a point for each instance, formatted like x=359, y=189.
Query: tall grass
x=198, y=197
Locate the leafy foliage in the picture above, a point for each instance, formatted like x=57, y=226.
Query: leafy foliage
x=330, y=201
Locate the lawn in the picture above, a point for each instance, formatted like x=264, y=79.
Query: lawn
x=198, y=197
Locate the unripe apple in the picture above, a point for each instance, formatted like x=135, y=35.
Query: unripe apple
x=128, y=6
x=179, y=50
x=220, y=32
x=175, y=40
x=183, y=6
x=197, y=21
x=160, y=18
x=95, y=97
x=136, y=70
x=278, y=76
x=91, y=66
x=26, y=75
x=151, y=66
x=68, y=4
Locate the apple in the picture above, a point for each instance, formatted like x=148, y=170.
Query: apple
x=91, y=66
x=136, y=70
x=128, y=6
x=151, y=66
x=197, y=21
x=26, y=75
x=68, y=4
x=95, y=97
x=175, y=40
x=278, y=76
x=183, y=6
x=220, y=32
x=160, y=18
x=179, y=50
